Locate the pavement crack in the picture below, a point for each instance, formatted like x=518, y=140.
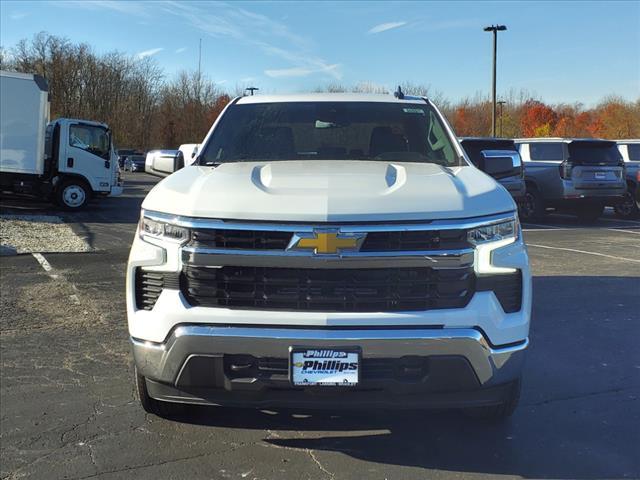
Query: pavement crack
x=576, y=397
x=147, y=465
x=317, y=462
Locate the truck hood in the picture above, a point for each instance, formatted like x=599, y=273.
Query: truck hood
x=329, y=191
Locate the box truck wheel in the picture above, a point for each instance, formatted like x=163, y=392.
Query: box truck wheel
x=73, y=194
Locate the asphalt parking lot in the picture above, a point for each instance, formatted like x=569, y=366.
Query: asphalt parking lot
x=68, y=408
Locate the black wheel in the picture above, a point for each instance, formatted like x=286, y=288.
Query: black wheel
x=153, y=406
x=73, y=194
x=531, y=207
x=502, y=410
x=630, y=206
x=590, y=213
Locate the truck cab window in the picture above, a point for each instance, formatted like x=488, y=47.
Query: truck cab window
x=90, y=138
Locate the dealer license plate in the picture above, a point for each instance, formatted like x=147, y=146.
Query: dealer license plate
x=325, y=367
x=601, y=176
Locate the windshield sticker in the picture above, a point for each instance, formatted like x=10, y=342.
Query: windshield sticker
x=419, y=111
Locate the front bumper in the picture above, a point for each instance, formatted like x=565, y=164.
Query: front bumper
x=116, y=190
x=448, y=367
x=606, y=194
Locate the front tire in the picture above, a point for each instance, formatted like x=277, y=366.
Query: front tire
x=501, y=411
x=73, y=194
x=532, y=207
x=630, y=206
x=151, y=405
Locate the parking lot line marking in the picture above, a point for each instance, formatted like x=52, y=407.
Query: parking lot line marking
x=625, y=231
x=632, y=222
x=584, y=252
x=45, y=264
x=547, y=229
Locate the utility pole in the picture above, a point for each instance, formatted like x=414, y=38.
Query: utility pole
x=251, y=89
x=501, y=103
x=199, y=59
x=494, y=29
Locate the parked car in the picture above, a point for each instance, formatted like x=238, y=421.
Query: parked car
x=123, y=153
x=135, y=163
x=630, y=151
x=483, y=150
x=163, y=162
x=330, y=250
x=580, y=176
x=189, y=152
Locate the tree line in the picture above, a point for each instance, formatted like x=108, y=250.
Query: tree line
x=147, y=110
x=523, y=114
x=132, y=95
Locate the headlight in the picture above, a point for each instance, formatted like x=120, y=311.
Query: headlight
x=494, y=232
x=162, y=230
x=488, y=238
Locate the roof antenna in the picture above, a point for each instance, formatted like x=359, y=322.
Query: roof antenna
x=399, y=93
x=251, y=89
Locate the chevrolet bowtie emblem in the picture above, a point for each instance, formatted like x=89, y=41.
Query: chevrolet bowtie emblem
x=326, y=243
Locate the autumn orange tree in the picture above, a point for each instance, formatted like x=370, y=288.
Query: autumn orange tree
x=538, y=119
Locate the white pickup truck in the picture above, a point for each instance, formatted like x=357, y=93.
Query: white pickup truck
x=330, y=250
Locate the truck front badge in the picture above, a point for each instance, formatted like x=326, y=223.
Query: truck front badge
x=326, y=242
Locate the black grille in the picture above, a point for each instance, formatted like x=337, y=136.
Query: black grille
x=240, y=239
x=338, y=290
x=374, y=241
x=507, y=288
x=149, y=285
x=415, y=240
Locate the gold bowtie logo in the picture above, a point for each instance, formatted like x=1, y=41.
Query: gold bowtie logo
x=326, y=243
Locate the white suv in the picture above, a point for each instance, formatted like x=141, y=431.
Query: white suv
x=330, y=250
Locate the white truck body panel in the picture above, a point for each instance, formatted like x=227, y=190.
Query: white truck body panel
x=24, y=115
x=325, y=191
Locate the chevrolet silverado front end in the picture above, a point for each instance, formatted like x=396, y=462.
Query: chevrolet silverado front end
x=329, y=251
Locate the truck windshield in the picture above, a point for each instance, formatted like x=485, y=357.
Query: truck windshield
x=594, y=153
x=402, y=132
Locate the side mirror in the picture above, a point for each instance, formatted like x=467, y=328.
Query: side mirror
x=166, y=163
x=501, y=163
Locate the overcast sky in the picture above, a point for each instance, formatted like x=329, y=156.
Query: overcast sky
x=563, y=51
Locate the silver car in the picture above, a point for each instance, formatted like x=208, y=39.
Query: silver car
x=580, y=176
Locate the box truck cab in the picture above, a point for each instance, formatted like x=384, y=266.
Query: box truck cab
x=68, y=160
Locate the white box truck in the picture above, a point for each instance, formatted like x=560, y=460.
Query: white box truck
x=68, y=161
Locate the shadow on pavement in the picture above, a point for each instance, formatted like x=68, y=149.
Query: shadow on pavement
x=121, y=209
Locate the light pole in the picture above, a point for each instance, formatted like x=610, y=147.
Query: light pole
x=501, y=103
x=495, y=29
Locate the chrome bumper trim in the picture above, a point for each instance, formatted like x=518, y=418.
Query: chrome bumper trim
x=216, y=257
x=163, y=362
